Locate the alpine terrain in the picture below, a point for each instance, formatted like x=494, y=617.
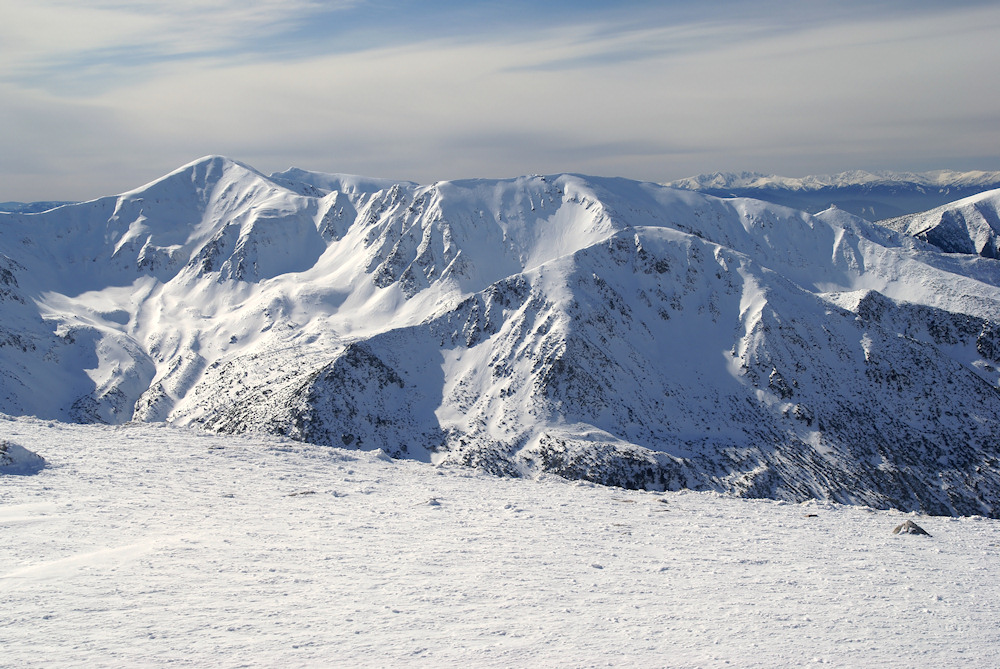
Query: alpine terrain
x=970, y=225
x=602, y=329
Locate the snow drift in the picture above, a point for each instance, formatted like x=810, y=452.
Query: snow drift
x=604, y=329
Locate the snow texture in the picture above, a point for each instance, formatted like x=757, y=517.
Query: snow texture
x=605, y=330
x=144, y=545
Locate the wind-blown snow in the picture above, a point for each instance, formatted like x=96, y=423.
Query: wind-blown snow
x=144, y=545
x=970, y=225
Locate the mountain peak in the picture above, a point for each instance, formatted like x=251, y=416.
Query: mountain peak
x=324, y=182
x=203, y=171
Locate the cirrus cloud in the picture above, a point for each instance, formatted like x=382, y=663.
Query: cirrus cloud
x=374, y=88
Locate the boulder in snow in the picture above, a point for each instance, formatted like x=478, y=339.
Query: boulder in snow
x=16, y=459
x=910, y=527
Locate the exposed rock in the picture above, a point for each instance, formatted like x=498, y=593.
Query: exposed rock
x=910, y=527
x=18, y=460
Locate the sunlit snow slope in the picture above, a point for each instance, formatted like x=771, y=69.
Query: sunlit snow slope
x=969, y=225
x=602, y=329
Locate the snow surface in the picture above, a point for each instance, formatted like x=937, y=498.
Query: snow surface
x=873, y=195
x=152, y=545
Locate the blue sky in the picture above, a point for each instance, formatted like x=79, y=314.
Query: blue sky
x=99, y=96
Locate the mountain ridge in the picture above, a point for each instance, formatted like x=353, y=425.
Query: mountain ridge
x=605, y=329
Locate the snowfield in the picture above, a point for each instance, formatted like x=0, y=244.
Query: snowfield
x=144, y=544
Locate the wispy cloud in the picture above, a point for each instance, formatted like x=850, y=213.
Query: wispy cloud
x=53, y=44
x=652, y=92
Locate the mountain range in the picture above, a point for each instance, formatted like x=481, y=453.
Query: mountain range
x=871, y=195
x=616, y=331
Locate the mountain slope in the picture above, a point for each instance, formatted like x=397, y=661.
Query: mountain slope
x=604, y=329
x=29, y=207
x=970, y=225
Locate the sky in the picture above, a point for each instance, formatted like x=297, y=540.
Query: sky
x=100, y=96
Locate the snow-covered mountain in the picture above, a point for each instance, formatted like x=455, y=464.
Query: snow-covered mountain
x=970, y=225
x=602, y=329
x=872, y=195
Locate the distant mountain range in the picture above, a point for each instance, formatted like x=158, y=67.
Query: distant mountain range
x=601, y=329
x=29, y=207
x=871, y=195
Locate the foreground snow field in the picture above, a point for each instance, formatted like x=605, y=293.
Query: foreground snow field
x=148, y=545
